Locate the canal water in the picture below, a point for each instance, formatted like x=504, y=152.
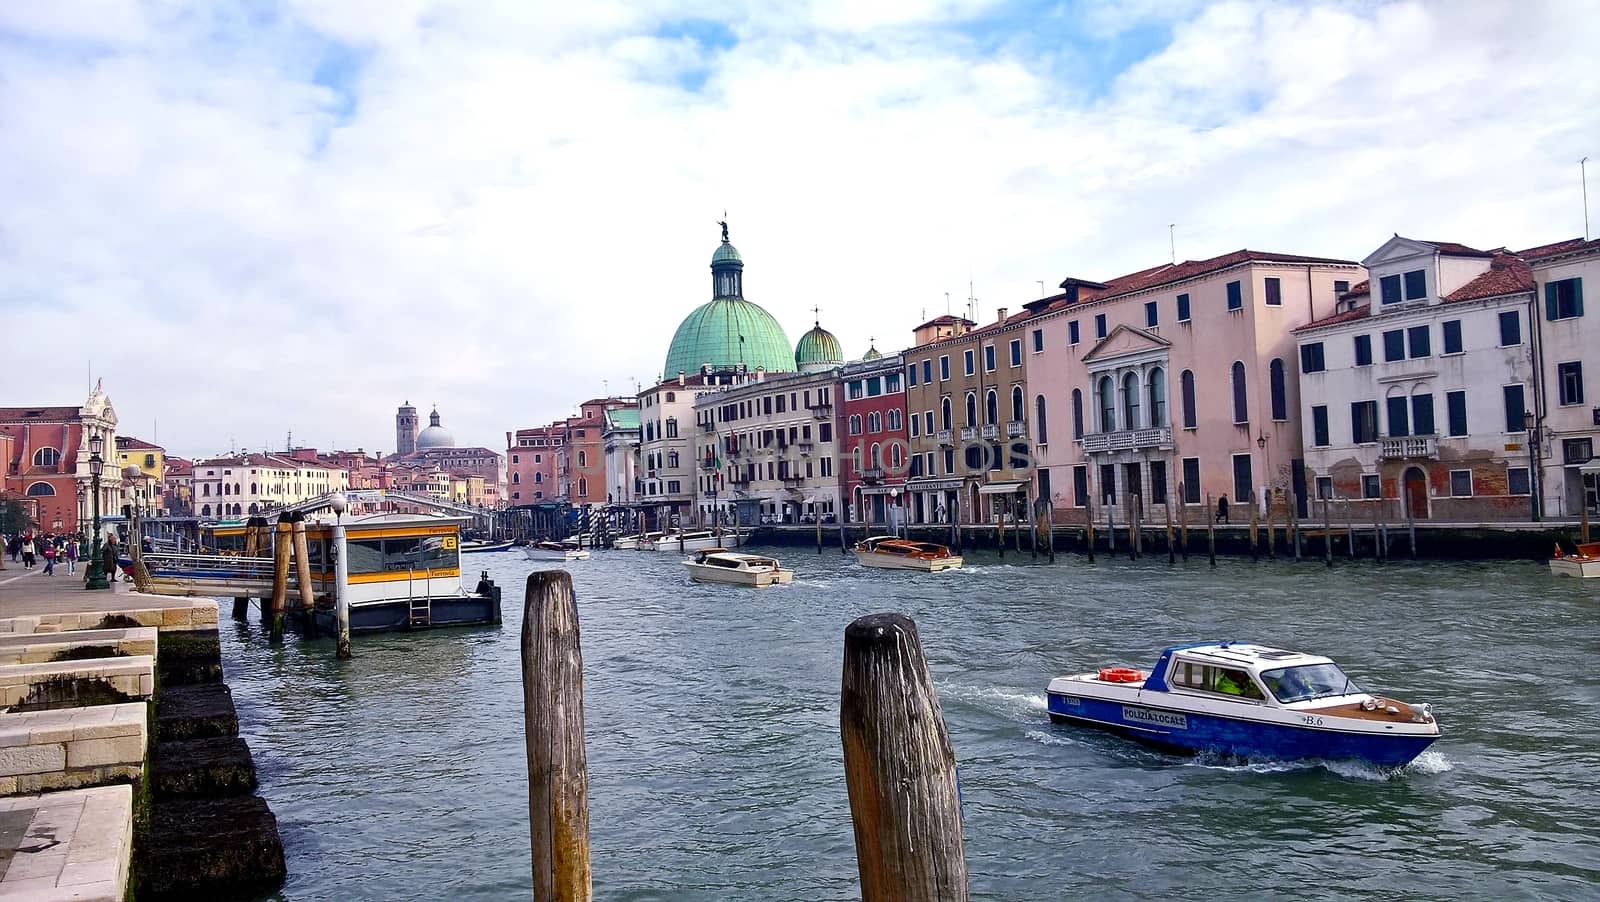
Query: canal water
x=715, y=765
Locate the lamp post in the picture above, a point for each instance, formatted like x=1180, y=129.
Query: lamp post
x=82, y=492
x=1530, y=423
x=95, y=575
x=1266, y=462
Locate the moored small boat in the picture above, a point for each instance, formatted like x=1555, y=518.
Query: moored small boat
x=893, y=553
x=1584, y=563
x=486, y=546
x=555, y=551
x=1249, y=701
x=719, y=565
x=698, y=540
x=636, y=542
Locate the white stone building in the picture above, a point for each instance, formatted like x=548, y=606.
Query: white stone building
x=767, y=451
x=1568, y=352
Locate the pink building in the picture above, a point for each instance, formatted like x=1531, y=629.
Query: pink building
x=1175, y=381
x=873, y=443
x=531, y=456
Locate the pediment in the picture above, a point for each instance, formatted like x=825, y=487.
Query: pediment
x=1125, y=341
x=1398, y=248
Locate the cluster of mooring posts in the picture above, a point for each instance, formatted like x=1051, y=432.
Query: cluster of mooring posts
x=900, y=767
x=291, y=564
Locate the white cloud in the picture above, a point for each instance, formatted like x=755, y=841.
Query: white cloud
x=505, y=205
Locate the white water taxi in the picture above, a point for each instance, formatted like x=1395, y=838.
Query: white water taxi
x=1584, y=564
x=718, y=565
x=893, y=553
x=698, y=540
x=636, y=542
x=555, y=551
x=1250, y=701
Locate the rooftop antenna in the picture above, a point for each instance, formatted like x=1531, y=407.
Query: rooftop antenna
x=1172, y=241
x=1583, y=176
x=972, y=302
x=947, y=303
x=1041, y=287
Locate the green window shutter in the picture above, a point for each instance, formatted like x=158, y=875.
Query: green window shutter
x=1551, y=305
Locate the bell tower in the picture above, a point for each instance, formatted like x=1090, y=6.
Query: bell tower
x=405, y=429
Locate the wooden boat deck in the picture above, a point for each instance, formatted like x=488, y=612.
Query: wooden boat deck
x=1354, y=709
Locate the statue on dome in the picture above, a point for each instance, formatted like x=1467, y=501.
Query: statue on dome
x=724, y=224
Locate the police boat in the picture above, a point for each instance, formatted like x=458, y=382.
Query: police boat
x=1247, y=701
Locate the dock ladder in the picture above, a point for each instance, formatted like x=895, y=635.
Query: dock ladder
x=421, y=609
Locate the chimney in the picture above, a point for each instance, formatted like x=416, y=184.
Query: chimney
x=680, y=377
x=1001, y=314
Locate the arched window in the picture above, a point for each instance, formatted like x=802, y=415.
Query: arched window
x=1017, y=412
x=227, y=489
x=516, y=478
x=991, y=407
x=972, y=409
x=877, y=456
x=252, y=488
x=205, y=510
x=46, y=457
x=254, y=510
x=236, y=491
x=894, y=419
x=855, y=424
x=1040, y=433
x=1130, y=401
x=1077, y=414
x=1280, y=391
x=205, y=489
x=897, y=455
x=944, y=410
x=1158, y=397
x=538, y=478
x=237, y=510
x=1241, y=406
x=41, y=489
x=874, y=421
x=1186, y=387
x=583, y=486
x=672, y=460
x=1108, y=405
x=583, y=458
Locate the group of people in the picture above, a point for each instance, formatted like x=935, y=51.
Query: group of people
x=31, y=548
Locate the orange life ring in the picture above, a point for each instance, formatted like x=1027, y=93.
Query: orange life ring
x=1120, y=675
x=1558, y=551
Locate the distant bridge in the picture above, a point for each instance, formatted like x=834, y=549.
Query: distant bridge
x=385, y=496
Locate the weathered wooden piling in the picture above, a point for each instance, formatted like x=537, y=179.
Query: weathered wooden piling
x=1183, y=521
x=1377, y=540
x=1272, y=535
x=1411, y=532
x=1349, y=530
x=1172, y=557
x=1111, y=531
x=900, y=769
x=282, y=549
x=1088, y=533
x=1001, y=535
x=552, y=708
x=819, y=533
x=1327, y=535
x=302, y=564
x=1255, y=530
x=1211, y=531
x=1583, y=522
x=1294, y=524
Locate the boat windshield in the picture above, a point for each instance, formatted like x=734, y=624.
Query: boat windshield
x=1307, y=682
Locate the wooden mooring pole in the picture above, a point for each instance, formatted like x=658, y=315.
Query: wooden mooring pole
x=1183, y=521
x=1255, y=530
x=1172, y=556
x=1272, y=535
x=1294, y=524
x=552, y=710
x=1088, y=533
x=1350, y=530
x=899, y=766
x=1377, y=539
x=1327, y=535
x=302, y=564
x=1411, y=532
x=1211, y=531
x=1583, y=522
x=282, y=549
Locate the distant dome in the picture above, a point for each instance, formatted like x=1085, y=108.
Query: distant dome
x=435, y=436
x=872, y=353
x=818, y=350
x=728, y=331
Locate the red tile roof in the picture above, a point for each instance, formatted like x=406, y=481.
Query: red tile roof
x=1559, y=247
x=1362, y=312
x=1168, y=274
x=37, y=414
x=946, y=320
x=1507, y=274
x=128, y=441
x=1361, y=289
x=1456, y=249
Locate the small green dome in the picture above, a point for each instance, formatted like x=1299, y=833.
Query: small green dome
x=872, y=353
x=726, y=332
x=726, y=253
x=818, y=349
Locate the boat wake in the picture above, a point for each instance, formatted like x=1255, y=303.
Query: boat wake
x=1013, y=704
x=1427, y=764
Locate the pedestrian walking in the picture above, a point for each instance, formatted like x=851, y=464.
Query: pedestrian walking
x=27, y=552
x=1222, y=509
x=71, y=552
x=108, y=558
x=49, y=559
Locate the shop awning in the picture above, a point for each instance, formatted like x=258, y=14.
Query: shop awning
x=1008, y=487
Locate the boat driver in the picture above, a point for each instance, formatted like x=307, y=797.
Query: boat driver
x=1235, y=682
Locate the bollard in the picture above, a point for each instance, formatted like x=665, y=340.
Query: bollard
x=308, y=589
x=282, y=549
x=1211, y=531
x=900, y=769
x=241, y=608
x=552, y=710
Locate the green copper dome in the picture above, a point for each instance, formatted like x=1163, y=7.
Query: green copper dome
x=725, y=333
x=727, y=253
x=818, y=349
x=872, y=353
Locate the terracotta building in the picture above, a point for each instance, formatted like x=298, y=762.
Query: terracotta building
x=48, y=459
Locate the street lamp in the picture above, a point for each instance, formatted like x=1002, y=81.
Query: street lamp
x=1530, y=423
x=82, y=493
x=95, y=576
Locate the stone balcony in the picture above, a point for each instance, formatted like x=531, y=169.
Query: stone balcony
x=969, y=433
x=944, y=438
x=1414, y=447
x=1016, y=429
x=991, y=431
x=1128, y=440
x=872, y=475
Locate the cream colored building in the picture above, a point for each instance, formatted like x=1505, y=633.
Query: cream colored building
x=767, y=444
x=243, y=485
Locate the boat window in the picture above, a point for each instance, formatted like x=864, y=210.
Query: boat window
x=1307, y=682
x=366, y=555
x=439, y=553
x=1222, y=680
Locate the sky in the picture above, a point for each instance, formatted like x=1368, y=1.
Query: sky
x=266, y=218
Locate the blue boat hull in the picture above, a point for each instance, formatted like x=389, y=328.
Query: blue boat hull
x=472, y=610
x=1192, y=732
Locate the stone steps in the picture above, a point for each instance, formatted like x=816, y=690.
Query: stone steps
x=212, y=768
x=41, y=648
x=72, y=747
x=66, y=684
x=196, y=712
x=209, y=849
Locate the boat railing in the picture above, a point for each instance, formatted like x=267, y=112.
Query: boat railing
x=236, y=566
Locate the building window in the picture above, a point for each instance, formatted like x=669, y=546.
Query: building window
x=1319, y=426
x=1340, y=286
x=991, y=407
x=1514, y=409
x=1108, y=484
x=1371, y=486
x=1398, y=416
x=1242, y=481
x=1108, y=405
x=944, y=412
x=1151, y=318
x=1364, y=422
x=988, y=359
x=1077, y=414
x=1394, y=345
x=1569, y=382
x=1455, y=406
x=911, y=375
x=1324, y=486
x=972, y=409
x=1563, y=299
x=41, y=490
x=1183, y=308
x=1422, y=415
x=1191, y=418
x=1452, y=336
x=1235, y=296
x=1363, y=350
x=1274, y=292
x=1130, y=402
x=944, y=367
x=1072, y=332
x=1158, y=398
x=1390, y=289
x=1241, y=407
x=855, y=424
x=1158, y=480
x=1038, y=340
x=1080, y=486
x=927, y=424
x=1312, y=359
x=927, y=372
x=1510, y=328
x=1017, y=413
x=1016, y=352
x=1417, y=338
x=968, y=362
x=1517, y=481
x=1279, y=388
x=914, y=425
x=1191, y=480
x=1461, y=483
x=1416, y=285
x=1041, y=432
x=1577, y=450
x=46, y=457
x=1099, y=325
